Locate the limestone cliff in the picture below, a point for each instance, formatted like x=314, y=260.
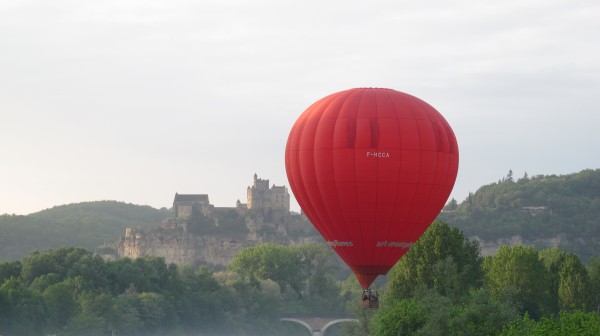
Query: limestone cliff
x=182, y=248
x=199, y=241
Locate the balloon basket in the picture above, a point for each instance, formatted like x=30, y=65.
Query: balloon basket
x=370, y=304
x=370, y=299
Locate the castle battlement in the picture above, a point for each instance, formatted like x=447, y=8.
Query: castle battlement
x=260, y=196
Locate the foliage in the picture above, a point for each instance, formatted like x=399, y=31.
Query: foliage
x=304, y=269
x=405, y=317
x=593, y=269
x=442, y=259
x=520, y=269
x=569, y=323
x=518, y=281
x=565, y=207
x=23, y=311
x=87, y=224
x=69, y=291
x=269, y=261
x=480, y=313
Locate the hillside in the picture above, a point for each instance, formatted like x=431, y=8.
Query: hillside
x=541, y=211
x=87, y=225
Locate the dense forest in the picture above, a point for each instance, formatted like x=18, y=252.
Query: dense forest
x=88, y=225
x=442, y=286
x=69, y=291
x=542, y=210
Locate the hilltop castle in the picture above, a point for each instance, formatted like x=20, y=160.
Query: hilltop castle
x=260, y=196
x=200, y=233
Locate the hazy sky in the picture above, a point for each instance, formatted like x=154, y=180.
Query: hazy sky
x=136, y=100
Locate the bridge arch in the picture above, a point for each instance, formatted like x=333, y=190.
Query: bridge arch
x=336, y=322
x=317, y=325
x=290, y=319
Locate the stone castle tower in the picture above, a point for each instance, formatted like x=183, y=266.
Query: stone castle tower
x=260, y=196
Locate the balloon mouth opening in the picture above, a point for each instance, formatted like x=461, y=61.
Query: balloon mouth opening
x=366, y=274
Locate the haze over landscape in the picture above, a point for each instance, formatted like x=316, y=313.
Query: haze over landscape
x=135, y=100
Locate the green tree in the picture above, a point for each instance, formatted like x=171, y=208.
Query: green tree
x=200, y=303
x=481, y=314
x=404, y=317
x=520, y=269
x=128, y=318
x=570, y=286
x=569, y=323
x=478, y=312
x=42, y=282
x=437, y=310
x=318, y=270
x=38, y=264
x=281, y=264
x=573, y=290
x=452, y=205
x=154, y=313
x=593, y=269
x=442, y=259
x=9, y=270
x=84, y=324
x=146, y=274
x=60, y=305
x=59, y=261
x=96, y=315
x=23, y=310
x=509, y=176
x=553, y=260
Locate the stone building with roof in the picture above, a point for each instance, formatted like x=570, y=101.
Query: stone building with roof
x=184, y=203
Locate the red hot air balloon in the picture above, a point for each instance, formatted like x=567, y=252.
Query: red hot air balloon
x=371, y=168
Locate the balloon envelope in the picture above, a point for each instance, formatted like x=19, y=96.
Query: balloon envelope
x=371, y=168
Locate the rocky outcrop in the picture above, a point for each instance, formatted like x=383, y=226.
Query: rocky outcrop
x=490, y=248
x=180, y=248
x=177, y=243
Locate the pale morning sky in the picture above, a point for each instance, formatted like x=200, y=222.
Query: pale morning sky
x=136, y=100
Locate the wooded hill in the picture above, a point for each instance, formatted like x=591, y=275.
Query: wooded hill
x=86, y=225
x=540, y=210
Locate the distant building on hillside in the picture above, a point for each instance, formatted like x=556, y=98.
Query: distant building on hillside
x=183, y=204
x=260, y=196
x=536, y=210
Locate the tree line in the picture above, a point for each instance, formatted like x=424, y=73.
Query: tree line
x=442, y=286
x=565, y=207
x=69, y=291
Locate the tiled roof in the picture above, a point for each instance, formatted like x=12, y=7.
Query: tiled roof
x=191, y=198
